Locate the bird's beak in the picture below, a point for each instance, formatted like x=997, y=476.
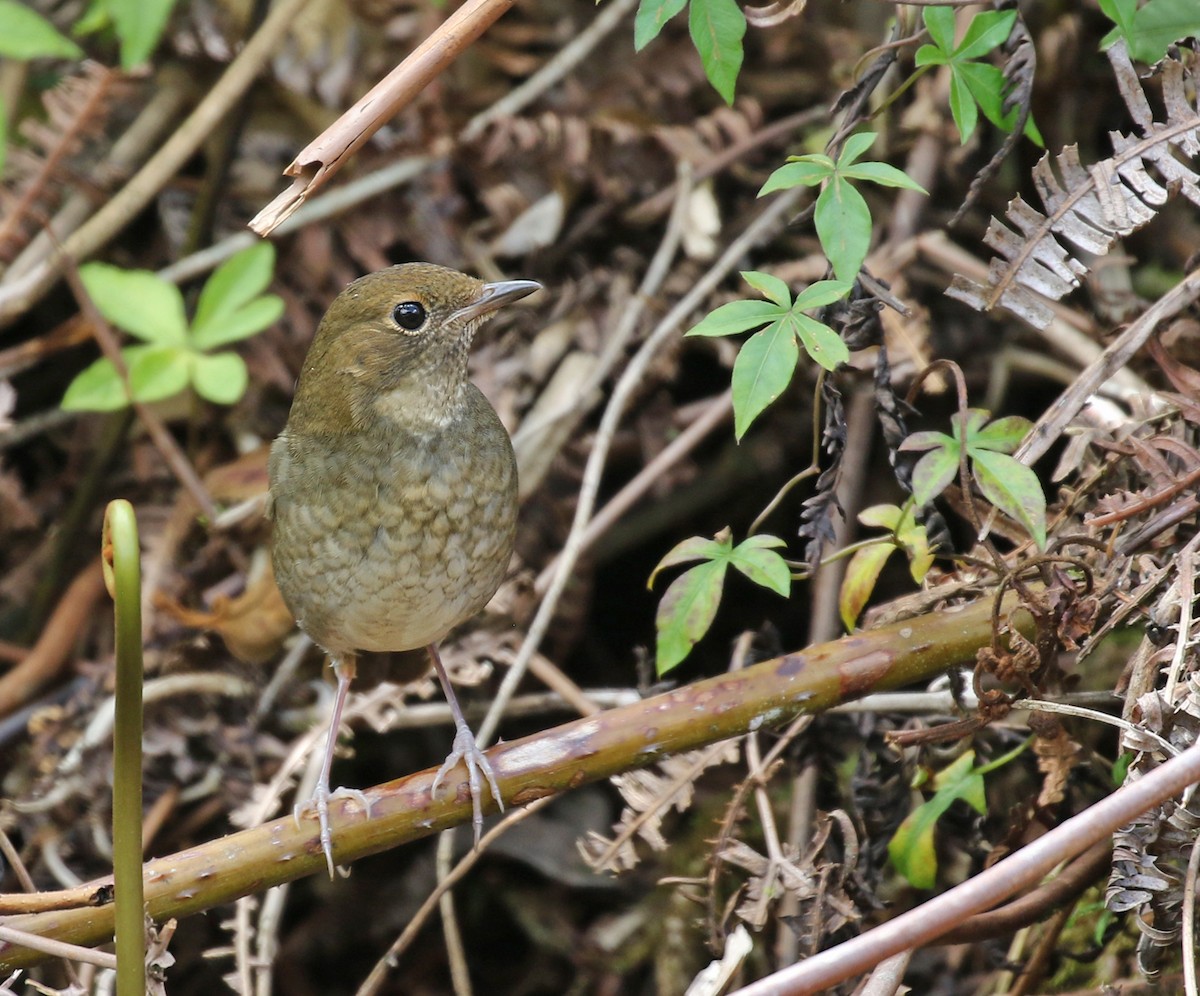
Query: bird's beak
x=493, y=296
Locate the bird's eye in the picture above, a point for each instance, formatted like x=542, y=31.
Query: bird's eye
x=409, y=315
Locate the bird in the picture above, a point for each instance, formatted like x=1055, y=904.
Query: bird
x=393, y=490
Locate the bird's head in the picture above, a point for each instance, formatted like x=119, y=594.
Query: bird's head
x=394, y=344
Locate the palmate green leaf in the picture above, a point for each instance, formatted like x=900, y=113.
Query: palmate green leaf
x=843, y=223
x=911, y=848
x=233, y=284
x=770, y=287
x=934, y=471
x=987, y=85
x=821, y=293
x=884, y=174
x=820, y=341
x=96, y=388
x=25, y=34
x=927, y=439
x=1121, y=13
x=859, y=581
x=806, y=171
x=1160, y=23
x=694, y=548
x=737, y=316
x=939, y=22
x=762, y=370
x=986, y=31
x=138, y=302
x=717, y=28
x=976, y=419
x=1003, y=435
x=157, y=372
x=139, y=25
x=650, y=18
x=755, y=557
x=221, y=378
x=1014, y=489
x=248, y=320
x=930, y=55
x=686, y=611
x=854, y=148
x=963, y=108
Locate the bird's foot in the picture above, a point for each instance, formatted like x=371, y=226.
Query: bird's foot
x=320, y=804
x=465, y=749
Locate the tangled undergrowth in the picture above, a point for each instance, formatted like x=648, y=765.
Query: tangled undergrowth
x=925, y=437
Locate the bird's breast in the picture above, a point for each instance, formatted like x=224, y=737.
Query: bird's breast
x=386, y=540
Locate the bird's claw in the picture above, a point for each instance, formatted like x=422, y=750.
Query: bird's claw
x=465, y=749
x=320, y=803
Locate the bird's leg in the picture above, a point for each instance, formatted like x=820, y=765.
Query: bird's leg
x=465, y=749
x=344, y=667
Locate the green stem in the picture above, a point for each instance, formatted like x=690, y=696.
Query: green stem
x=123, y=576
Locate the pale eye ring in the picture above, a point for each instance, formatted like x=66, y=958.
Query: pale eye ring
x=409, y=315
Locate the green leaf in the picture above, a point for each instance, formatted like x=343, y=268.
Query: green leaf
x=931, y=55
x=883, y=174
x=911, y=848
x=861, y=575
x=737, y=316
x=248, y=320
x=1014, y=489
x=854, y=148
x=763, y=368
x=1003, y=435
x=939, y=22
x=882, y=517
x=933, y=472
x=221, y=379
x=96, y=388
x=717, y=28
x=821, y=293
x=694, y=548
x=650, y=18
x=138, y=302
x=1120, y=12
x=985, y=32
x=769, y=287
x=139, y=25
x=925, y=440
x=1161, y=23
x=157, y=372
x=962, y=108
x=686, y=611
x=762, y=565
x=843, y=223
x=805, y=172
x=236, y=282
x=25, y=34
x=820, y=341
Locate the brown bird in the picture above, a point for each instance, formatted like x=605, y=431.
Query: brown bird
x=393, y=487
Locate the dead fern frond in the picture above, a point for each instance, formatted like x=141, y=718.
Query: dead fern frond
x=1090, y=207
x=76, y=110
x=649, y=796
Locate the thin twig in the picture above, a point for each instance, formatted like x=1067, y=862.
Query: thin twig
x=1020, y=870
x=608, y=425
x=379, y=973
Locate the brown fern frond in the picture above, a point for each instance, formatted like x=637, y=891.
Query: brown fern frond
x=1089, y=208
x=76, y=110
